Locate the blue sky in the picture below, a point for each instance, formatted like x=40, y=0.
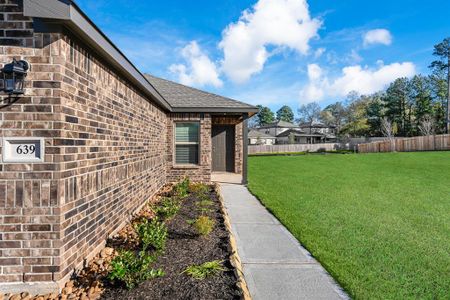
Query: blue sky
x=276, y=52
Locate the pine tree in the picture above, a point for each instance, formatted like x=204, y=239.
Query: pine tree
x=442, y=64
x=423, y=103
x=286, y=114
x=265, y=115
x=398, y=105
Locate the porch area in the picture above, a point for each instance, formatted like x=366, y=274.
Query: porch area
x=226, y=178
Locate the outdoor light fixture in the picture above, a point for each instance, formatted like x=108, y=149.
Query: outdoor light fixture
x=13, y=77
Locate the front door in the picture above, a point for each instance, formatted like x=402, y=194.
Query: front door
x=223, y=148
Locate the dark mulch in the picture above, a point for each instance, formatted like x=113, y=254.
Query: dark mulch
x=185, y=248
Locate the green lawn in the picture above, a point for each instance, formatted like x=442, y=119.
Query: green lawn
x=379, y=223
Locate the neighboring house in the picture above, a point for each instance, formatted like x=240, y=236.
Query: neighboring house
x=298, y=136
x=317, y=127
x=315, y=133
x=276, y=128
x=260, y=138
x=107, y=138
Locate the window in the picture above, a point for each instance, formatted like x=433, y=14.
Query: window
x=187, y=143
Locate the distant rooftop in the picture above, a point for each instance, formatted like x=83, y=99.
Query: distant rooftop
x=257, y=134
x=299, y=133
x=279, y=124
x=315, y=125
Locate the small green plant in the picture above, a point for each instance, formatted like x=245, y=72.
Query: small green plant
x=181, y=189
x=203, y=225
x=152, y=234
x=204, y=206
x=207, y=269
x=131, y=269
x=199, y=188
x=203, y=196
x=167, y=208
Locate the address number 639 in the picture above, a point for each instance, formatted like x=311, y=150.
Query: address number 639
x=25, y=149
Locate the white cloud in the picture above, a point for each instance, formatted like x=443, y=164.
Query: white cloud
x=314, y=71
x=354, y=57
x=318, y=53
x=377, y=36
x=199, y=70
x=280, y=23
x=367, y=81
x=362, y=80
x=314, y=90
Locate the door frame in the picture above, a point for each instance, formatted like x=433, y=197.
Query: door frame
x=233, y=152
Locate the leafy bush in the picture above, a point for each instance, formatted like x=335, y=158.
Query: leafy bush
x=167, y=208
x=205, y=270
x=131, y=269
x=152, y=234
x=203, y=225
x=181, y=189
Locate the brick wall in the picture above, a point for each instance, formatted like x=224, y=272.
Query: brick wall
x=202, y=172
x=113, y=153
x=105, y=154
x=30, y=229
x=108, y=150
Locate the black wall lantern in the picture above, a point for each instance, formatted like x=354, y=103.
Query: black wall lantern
x=13, y=77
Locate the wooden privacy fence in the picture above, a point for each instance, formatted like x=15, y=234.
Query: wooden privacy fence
x=419, y=143
x=254, y=149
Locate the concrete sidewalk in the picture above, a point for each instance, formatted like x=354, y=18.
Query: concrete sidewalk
x=275, y=265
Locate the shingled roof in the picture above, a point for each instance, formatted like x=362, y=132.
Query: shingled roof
x=255, y=134
x=280, y=124
x=299, y=132
x=187, y=99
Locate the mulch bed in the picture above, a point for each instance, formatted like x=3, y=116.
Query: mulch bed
x=185, y=248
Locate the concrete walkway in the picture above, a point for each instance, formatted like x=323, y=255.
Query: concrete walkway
x=275, y=265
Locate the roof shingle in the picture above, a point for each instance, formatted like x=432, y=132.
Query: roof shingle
x=182, y=97
x=279, y=124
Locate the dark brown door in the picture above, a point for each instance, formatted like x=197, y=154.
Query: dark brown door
x=223, y=148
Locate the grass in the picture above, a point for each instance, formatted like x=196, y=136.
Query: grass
x=379, y=223
x=205, y=270
x=301, y=153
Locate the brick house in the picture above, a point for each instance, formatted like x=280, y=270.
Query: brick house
x=112, y=138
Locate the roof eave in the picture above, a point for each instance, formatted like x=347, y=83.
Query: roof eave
x=69, y=15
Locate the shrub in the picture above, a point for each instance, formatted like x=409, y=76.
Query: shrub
x=131, y=269
x=167, y=208
x=205, y=270
x=203, y=225
x=152, y=233
x=181, y=189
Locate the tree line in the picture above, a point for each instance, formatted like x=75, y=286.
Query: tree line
x=408, y=107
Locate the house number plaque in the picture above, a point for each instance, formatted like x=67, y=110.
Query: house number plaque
x=23, y=150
